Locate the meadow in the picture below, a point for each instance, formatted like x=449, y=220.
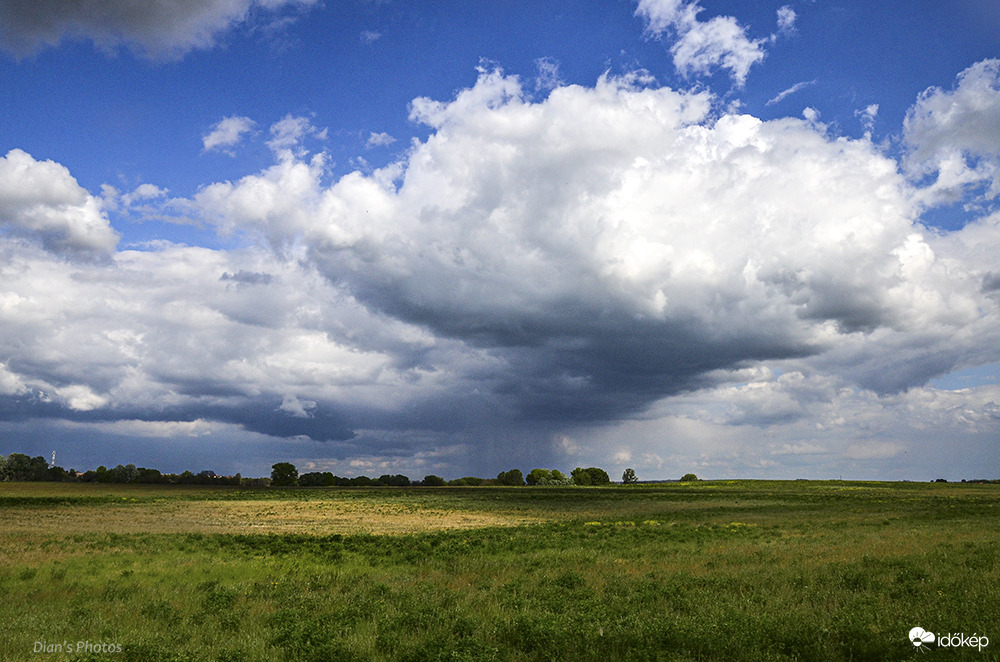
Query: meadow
x=709, y=570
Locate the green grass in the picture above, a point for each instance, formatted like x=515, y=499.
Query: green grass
x=734, y=570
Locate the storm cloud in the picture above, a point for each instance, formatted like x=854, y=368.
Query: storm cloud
x=156, y=28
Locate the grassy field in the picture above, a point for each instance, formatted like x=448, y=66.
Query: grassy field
x=734, y=570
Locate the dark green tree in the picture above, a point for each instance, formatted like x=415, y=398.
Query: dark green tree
x=687, y=478
x=538, y=476
x=628, y=477
x=434, y=481
x=395, y=480
x=284, y=474
x=150, y=476
x=467, y=481
x=311, y=479
x=124, y=474
x=512, y=477
x=598, y=476
x=590, y=476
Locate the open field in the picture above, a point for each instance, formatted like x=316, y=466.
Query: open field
x=733, y=570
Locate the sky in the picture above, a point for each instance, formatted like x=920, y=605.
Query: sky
x=744, y=240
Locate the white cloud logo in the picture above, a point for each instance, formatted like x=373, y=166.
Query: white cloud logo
x=920, y=636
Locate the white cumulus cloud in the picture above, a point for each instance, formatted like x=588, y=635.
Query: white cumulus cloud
x=955, y=134
x=227, y=132
x=42, y=201
x=700, y=47
x=379, y=140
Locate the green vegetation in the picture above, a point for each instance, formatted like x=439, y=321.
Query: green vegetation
x=590, y=476
x=687, y=478
x=512, y=478
x=547, y=477
x=20, y=467
x=706, y=570
x=284, y=474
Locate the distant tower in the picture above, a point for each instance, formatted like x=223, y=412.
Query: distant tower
x=53, y=458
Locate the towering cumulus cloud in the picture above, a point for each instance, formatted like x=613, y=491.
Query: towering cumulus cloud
x=610, y=246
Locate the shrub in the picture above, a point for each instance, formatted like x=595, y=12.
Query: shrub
x=687, y=478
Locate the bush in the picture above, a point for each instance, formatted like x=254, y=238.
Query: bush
x=687, y=478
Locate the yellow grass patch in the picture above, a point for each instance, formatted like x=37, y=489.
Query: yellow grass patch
x=320, y=517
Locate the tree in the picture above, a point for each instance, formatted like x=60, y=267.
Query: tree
x=590, y=476
x=687, y=478
x=629, y=477
x=312, y=479
x=538, y=476
x=512, y=477
x=599, y=476
x=21, y=467
x=284, y=474
x=395, y=480
x=434, y=481
x=150, y=476
x=467, y=481
x=124, y=474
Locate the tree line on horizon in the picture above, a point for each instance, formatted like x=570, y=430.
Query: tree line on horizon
x=21, y=467
x=286, y=475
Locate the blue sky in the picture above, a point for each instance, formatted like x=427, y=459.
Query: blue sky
x=740, y=239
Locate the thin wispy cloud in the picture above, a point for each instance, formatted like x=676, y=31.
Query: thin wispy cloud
x=781, y=96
